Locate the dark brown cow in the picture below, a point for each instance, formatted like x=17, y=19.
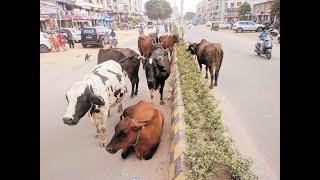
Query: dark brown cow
x=140, y=128
x=145, y=45
x=128, y=59
x=168, y=41
x=209, y=54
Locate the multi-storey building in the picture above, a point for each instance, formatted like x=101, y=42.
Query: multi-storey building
x=79, y=13
x=261, y=10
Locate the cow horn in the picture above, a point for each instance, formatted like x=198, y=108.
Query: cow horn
x=141, y=57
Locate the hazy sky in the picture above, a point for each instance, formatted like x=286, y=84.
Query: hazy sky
x=189, y=5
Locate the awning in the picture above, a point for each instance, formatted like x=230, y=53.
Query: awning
x=81, y=20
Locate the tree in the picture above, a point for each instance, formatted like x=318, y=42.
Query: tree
x=189, y=15
x=158, y=9
x=275, y=8
x=244, y=9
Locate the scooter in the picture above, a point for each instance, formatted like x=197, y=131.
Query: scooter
x=141, y=31
x=112, y=42
x=266, y=50
x=273, y=32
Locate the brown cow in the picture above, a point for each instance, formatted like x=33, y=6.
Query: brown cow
x=128, y=59
x=145, y=46
x=140, y=128
x=209, y=54
x=168, y=41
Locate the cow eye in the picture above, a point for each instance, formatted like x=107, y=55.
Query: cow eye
x=121, y=134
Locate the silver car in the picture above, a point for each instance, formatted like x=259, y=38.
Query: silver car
x=241, y=26
x=76, y=34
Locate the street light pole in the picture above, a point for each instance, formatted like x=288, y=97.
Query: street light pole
x=182, y=19
x=223, y=7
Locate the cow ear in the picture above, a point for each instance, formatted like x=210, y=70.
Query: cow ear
x=96, y=100
x=139, y=124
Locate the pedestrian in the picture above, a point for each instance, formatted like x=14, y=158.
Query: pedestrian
x=70, y=39
x=170, y=27
x=54, y=41
x=62, y=41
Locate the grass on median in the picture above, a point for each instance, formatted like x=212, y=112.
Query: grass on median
x=209, y=151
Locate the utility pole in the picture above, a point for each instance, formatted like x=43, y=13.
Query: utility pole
x=223, y=7
x=182, y=19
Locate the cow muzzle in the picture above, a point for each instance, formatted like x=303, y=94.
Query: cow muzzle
x=69, y=121
x=151, y=84
x=111, y=150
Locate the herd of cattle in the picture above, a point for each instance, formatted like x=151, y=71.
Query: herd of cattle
x=141, y=124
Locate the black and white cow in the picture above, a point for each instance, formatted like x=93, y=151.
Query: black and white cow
x=100, y=90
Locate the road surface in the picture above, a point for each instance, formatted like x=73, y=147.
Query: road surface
x=73, y=153
x=249, y=92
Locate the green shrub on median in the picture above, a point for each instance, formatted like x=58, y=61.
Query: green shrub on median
x=209, y=151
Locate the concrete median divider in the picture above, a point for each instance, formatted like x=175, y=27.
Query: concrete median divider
x=177, y=170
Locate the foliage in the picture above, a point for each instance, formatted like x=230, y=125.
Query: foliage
x=209, y=150
x=158, y=9
x=244, y=9
x=275, y=8
x=189, y=15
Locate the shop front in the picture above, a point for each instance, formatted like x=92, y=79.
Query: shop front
x=48, y=16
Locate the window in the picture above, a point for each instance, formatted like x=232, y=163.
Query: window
x=114, y=0
x=88, y=31
x=251, y=23
x=238, y=3
x=232, y=5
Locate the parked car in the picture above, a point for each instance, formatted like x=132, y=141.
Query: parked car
x=94, y=36
x=209, y=23
x=45, y=43
x=76, y=34
x=150, y=25
x=223, y=25
x=106, y=29
x=241, y=26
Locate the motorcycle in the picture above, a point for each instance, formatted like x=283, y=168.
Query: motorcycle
x=273, y=32
x=113, y=42
x=141, y=31
x=266, y=50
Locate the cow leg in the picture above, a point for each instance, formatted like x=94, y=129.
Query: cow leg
x=151, y=152
x=151, y=94
x=109, y=112
x=125, y=152
x=120, y=109
x=137, y=85
x=200, y=67
x=102, y=124
x=216, y=75
x=132, y=88
x=207, y=71
x=211, y=73
x=161, y=93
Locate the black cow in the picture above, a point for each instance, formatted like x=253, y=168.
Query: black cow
x=157, y=69
x=128, y=59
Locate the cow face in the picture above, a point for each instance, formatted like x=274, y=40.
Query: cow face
x=80, y=99
x=152, y=68
x=125, y=135
x=175, y=38
x=193, y=48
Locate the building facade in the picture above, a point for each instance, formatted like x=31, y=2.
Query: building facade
x=80, y=13
x=261, y=10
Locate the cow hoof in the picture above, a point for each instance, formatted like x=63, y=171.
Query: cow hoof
x=131, y=96
x=120, y=110
x=215, y=84
x=162, y=103
x=98, y=136
x=124, y=155
x=211, y=87
x=103, y=143
x=206, y=77
x=136, y=93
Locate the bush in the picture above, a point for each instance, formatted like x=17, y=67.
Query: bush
x=209, y=152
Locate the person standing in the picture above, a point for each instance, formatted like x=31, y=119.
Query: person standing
x=70, y=39
x=62, y=41
x=54, y=41
x=170, y=27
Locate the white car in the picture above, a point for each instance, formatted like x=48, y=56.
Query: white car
x=209, y=23
x=76, y=34
x=106, y=29
x=241, y=26
x=45, y=43
x=223, y=25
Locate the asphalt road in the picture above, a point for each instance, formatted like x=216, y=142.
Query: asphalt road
x=249, y=92
x=73, y=153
